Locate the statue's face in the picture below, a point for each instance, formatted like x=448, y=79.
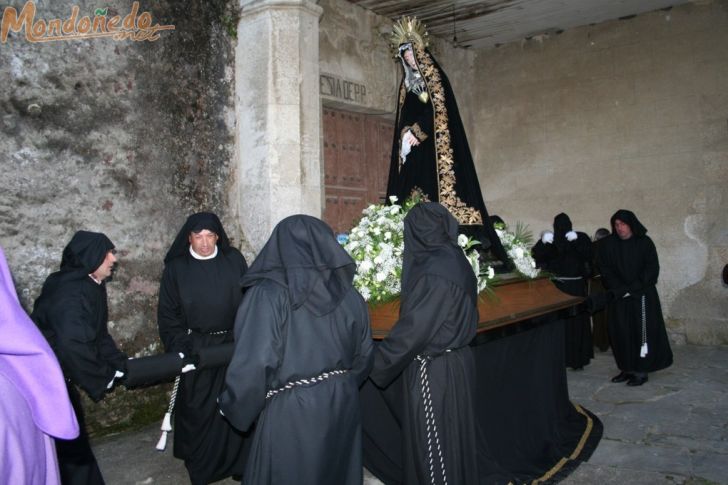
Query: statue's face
x=409, y=58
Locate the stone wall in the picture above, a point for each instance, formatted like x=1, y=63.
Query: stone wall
x=624, y=114
x=123, y=137
x=354, y=46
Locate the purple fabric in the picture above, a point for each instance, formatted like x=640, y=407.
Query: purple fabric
x=27, y=455
x=27, y=361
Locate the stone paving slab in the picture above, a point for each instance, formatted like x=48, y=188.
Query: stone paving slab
x=673, y=430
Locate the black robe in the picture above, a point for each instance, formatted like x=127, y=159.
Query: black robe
x=599, y=317
x=72, y=313
x=197, y=304
x=439, y=169
x=73, y=316
x=303, y=347
x=570, y=264
x=428, y=347
x=630, y=269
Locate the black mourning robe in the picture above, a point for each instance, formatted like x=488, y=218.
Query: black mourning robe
x=439, y=169
x=570, y=264
x=301, y=318
x=630, y=269
x=599, y=317
x=197, y=304
x=72, y=313
x=428, y=347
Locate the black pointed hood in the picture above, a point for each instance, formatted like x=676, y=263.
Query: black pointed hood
x=431, y=247
x=303, y=256
x=562, y=225
x=85, y=252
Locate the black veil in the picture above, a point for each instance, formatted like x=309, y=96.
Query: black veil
x=431, y=247
x=303, y=256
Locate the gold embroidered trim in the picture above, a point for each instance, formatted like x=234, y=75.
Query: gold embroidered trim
x=418, y=194
x=444, y=153
x=575, y=454
x=417, y=131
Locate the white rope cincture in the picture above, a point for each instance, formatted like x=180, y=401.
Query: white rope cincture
x=643, y=348
x=303, y=382
x=430, y=424
x=167, y=421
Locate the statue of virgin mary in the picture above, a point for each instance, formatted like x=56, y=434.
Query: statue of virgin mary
x=430, y=154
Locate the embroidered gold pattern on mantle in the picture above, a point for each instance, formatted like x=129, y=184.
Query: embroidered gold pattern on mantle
x=402, y=95
x=417, y=131
x=446, y=174
x=418, y=194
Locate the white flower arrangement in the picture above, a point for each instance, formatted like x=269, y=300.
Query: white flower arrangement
x=376, y=244
x=518, y=247
x=488, y=273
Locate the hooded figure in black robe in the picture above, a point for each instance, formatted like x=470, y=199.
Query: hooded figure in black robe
x=72, y=313
x=630, y=267
x=599, y=316
x=198, y=298
x=430, y=153
x=567, y=255
x=429, y=344
x=303, y=347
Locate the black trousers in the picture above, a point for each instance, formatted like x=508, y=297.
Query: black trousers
x=76, y=461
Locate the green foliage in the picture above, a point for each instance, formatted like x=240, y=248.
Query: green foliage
x=230, y=24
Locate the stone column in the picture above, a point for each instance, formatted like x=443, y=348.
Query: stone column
x=278, y=114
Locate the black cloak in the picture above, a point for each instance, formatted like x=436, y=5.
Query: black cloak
x=72, y=313
x=429, y=346
x=303, y=347
x=570, y=264
x=439, y=169
x=197, y=304
x=630, y=269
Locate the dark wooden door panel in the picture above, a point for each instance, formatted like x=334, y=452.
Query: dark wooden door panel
x=356, y=163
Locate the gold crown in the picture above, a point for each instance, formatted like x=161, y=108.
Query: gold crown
x=408, y=30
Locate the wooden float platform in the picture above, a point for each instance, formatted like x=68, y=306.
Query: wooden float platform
x=513, y=300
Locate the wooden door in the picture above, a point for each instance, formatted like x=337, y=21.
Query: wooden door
x=356, y=163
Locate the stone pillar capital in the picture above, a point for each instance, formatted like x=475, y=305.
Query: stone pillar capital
x=251, y=7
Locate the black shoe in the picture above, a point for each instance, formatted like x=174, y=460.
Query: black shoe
x=622, y=376
x=637, y=381
x=581, y=367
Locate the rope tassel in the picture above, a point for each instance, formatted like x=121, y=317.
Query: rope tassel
x=167, y=421
x=643, y=348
